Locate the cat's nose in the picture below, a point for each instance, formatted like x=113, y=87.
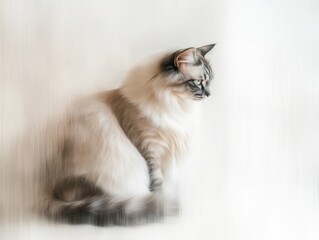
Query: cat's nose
x=207, y=93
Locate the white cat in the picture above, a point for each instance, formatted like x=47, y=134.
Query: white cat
x=108, y=160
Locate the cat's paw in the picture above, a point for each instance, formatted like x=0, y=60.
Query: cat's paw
x=156, y=184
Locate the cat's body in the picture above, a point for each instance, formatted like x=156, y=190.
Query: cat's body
x=112, y=156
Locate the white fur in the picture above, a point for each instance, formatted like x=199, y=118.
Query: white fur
x=119, y=167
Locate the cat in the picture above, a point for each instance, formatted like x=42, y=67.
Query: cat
x=110, y=158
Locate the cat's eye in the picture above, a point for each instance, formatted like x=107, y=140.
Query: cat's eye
x=198, y=82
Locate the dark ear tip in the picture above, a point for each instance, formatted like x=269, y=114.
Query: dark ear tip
x=209, y=45
x=205, y=49
x=212, y=46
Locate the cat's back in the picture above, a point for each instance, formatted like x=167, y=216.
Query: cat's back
x=91, y=106
x=91, y=113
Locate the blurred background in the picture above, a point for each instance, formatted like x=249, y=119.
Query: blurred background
x=253, y=173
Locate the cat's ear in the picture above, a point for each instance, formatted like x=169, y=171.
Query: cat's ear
x=185, y=58
x=205, y=49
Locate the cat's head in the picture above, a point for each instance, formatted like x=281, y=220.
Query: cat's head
x=189, y=72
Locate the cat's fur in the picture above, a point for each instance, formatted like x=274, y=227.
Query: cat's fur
x=110, y=158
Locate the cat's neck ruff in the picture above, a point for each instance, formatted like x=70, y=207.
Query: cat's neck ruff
x=168, y=112
x=155, y=101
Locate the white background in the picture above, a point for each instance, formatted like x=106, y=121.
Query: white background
x=254, y=170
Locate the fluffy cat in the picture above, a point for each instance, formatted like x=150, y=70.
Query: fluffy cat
x=110, y=158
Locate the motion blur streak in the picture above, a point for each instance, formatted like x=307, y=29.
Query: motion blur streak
x=254, y=171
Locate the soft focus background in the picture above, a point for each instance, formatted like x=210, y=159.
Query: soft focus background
x=254, y=170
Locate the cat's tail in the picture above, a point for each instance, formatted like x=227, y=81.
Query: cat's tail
x=104, y=209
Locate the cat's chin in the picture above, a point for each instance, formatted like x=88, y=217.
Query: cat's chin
x=199, y=98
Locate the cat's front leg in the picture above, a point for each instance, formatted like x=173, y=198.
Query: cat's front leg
x=158, y=156
x=156, y=175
